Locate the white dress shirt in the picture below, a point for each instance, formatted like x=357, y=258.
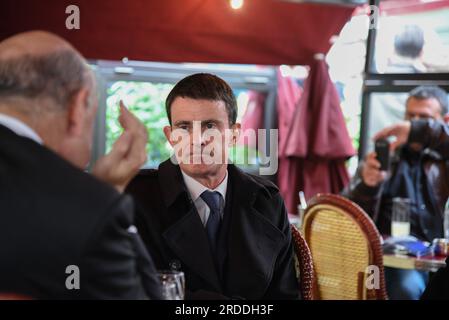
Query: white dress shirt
x=19, y=128
x=196, y=189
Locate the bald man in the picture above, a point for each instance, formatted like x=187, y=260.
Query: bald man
x=64, y=233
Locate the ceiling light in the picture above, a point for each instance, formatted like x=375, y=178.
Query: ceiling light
x=236, y=4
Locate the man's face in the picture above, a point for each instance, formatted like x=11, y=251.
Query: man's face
x=201, y=135
x=423, y=109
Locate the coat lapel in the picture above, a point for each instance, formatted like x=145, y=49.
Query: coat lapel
x=186, y=235
x=253, y=242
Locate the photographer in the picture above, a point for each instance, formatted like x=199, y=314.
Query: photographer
x=418, y=172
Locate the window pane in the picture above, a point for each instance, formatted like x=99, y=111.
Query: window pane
x=385, y=109
x=412, y=37
x=346, y=60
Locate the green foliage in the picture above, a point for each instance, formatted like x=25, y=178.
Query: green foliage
x=147, y=101
x=244, y=156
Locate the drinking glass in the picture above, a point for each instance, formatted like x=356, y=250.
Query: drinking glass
x=169, y=291
x=400, y=218
x=176, y=279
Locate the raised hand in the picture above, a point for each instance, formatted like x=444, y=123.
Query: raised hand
x=371, y=174
x=400, y=130
x=128, y=153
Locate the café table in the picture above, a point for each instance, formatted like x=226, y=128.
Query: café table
x=425, y=263
x=430, y=262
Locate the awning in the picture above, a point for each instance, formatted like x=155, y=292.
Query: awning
x=262, y=32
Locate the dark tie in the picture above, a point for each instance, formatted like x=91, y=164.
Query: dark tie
x=212, y=199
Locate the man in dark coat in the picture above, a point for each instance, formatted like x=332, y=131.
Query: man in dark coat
x=64, y=234
x=228, y=231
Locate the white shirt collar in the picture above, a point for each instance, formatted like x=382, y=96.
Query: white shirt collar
x=196, y=189
x=19, y=128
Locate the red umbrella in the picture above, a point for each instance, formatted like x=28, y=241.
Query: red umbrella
x=318, y=142
x=288, y=95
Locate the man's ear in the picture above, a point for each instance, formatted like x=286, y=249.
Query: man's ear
x=446, y=118
x=236, y=130
x=167, y=132
x=77, y=113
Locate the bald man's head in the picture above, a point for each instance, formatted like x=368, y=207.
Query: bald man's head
x=32, y=43
x=47, y=84
x=39, y=65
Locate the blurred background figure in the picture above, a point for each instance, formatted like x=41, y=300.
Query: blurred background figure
x=408, y=51
x=416, y=173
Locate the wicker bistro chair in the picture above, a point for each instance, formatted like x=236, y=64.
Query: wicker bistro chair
x=304, y=264
x=344, y=242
